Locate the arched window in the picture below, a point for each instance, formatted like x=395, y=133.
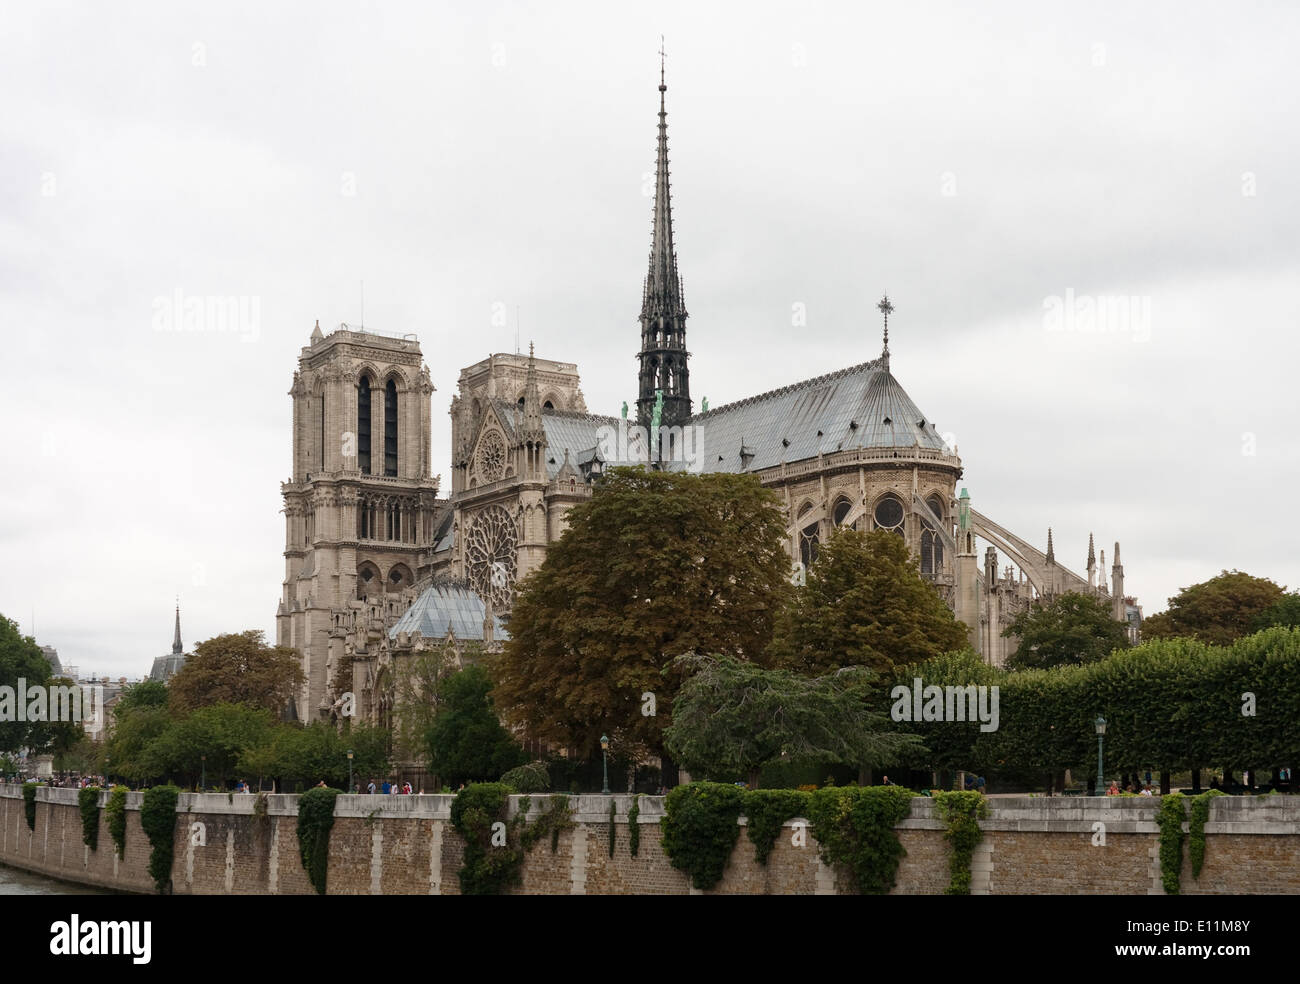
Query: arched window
x=363, y=425
x=931, y=543
x=842, y=508
x=390, y=429
x=808, y=539
x=889, y=514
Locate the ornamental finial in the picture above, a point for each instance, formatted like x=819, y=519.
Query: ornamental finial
x=886, y=309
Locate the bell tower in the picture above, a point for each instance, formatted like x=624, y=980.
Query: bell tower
x=360, y=508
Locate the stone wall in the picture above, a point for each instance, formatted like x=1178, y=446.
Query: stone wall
x=406, y=845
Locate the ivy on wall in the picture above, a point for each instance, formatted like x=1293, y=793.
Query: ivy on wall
x=1200, y=813
x=495, y=844
x=855, y=828
x=961, y=812
x=1170, y=819
x=766, y=811
x=613, y=812
x=700, y=828
x=315, y=821
x=88, y=802
x=634, y=826
x=29, y=804
x=158, y=818
x=115, y=811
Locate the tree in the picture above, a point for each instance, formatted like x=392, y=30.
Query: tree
x=220, y=732
x=146, y=693
x=239, y=668
x=20, y=659
x=864, y=604
x=1070, y=628
x=466, y=742
x=655, y=565
x=1217, y=611
x=306, y=755
x=733, y=717
x=1284, y=612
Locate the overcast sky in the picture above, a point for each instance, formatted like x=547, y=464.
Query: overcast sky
x=998, y=170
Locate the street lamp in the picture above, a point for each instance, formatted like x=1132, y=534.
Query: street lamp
x=203, y=783
x=1100, y=725
x=604, y=759
x=349, y=770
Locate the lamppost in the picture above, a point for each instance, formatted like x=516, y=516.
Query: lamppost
x=1100, y=725
x=203, y=783
x=349, y=770
x=604, y=759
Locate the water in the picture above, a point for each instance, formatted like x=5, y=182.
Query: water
x=15, y=881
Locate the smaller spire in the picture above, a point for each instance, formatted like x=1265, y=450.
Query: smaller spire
x=886, y=309
x=1116, y=561
x=1092, y=556
x=532, y=402
x=316, y=335
x=1051, y=553
x=177, y=648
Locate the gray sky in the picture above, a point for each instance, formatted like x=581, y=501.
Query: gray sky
x=998, y=170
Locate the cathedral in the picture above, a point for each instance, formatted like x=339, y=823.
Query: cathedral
x=379, y=565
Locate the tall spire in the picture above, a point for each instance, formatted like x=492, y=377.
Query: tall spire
x=886, y=309
x=177, y=648
x=663, y=356
x=1092, y=556
x=1051, y=554
x=532, y=402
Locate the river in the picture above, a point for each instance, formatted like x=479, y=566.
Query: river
x=15, y=881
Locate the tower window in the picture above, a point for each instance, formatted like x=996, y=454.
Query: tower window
x=363, y=425
x=390, y=429
x=889, y=515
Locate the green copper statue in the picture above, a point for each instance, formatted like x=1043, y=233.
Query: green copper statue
x=704, y=405
x=657, y=415
x=625, y=409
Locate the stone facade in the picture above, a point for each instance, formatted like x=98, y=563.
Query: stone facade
x=406, y=845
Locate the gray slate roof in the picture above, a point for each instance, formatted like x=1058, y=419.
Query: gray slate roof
x=448, y=605
x=862, y=406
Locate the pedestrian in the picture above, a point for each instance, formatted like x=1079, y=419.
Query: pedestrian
x=1114, y=788
x=406, y=787
x=386, y=788
x=371, y=787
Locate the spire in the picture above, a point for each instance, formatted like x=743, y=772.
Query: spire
x=886, y=309
x=316, y=335
x=1092, y=556
x=177, y=648
x=1115, y=563
x=532, y=425
x=1051, y=554
x=663, y=356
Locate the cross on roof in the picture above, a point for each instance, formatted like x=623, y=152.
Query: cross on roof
x=886, y=309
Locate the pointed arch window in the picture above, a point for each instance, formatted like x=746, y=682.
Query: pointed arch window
x=390, y=429
x=363, y=425
x=808, y=539
x=931, y=543
x=842, y=508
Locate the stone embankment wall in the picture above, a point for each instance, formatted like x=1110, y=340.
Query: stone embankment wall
x=406, y=844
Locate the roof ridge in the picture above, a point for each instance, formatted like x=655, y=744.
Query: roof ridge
x=781, y=391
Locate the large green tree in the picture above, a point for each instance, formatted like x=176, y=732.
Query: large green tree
x=1284, y=612
x=238, y=668
x=466, y=742
x=655, y=565
x=1217, y=611
x=732, y=717
x=20, y=658
x=864, y=604
x=1069, y=628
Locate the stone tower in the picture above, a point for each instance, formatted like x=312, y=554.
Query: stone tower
x=663, y=357
x=361, y=508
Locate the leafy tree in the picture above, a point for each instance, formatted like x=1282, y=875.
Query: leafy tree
x=146, y=693
x=134, y=729
x=1216, y=611
x=306, y=755
x=655, y=565
x=221, y=732
x=413, y=692
x=466, y=742
x=20, y=658
x=1069, y=628
x=1285, y=612
x=733, y=717
x=239, y=668
x=864, y=604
